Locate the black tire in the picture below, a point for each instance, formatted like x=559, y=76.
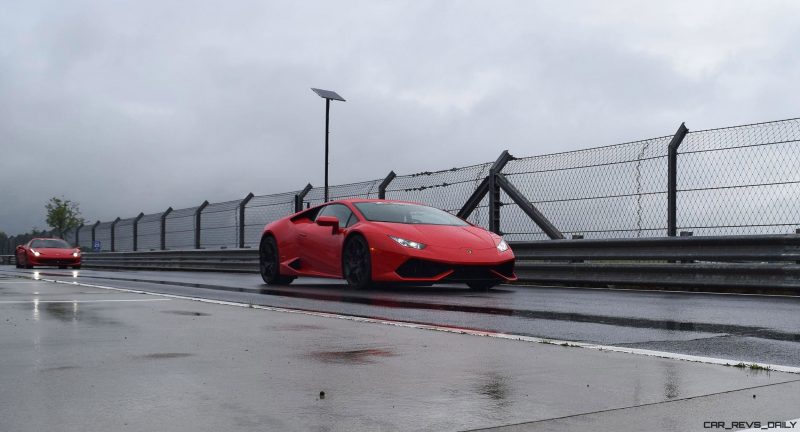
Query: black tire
x=481, y=285
x=62, y=267
x=17, y=264
x=357, y=263
x=77, y=267
x=268, y=262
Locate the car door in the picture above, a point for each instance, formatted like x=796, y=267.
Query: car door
x=323, y=247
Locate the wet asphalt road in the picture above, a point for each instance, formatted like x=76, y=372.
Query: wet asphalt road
x=744, y=328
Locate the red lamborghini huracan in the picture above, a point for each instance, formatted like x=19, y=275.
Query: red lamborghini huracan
x=367, y=241
x=48, y=252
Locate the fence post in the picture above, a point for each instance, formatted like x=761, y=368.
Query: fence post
x=197, y=227
x=672, y=179
x=136, y=231
x=577, y=237
x=113, y=229
x=78, y=236
x=94, y=235
x=494, y=192
x=298, y=199
x=242, y=205
x=164, y=228
x=484, y=187
x=384, y=184
x=686, y=234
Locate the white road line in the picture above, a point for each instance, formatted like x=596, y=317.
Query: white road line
x=18, y=282
x=571, y=344
x=79, y=301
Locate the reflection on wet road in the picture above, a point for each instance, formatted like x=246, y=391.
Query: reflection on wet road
x=747, y=328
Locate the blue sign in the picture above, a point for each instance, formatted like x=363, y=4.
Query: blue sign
x=96, y=245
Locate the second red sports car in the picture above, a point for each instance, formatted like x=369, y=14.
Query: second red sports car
x=367, y=241
x=48, y=252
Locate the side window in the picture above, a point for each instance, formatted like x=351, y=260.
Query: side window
x=341, y=212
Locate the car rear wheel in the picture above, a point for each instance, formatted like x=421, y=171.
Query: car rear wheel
x=269, y=263
x=356, y=263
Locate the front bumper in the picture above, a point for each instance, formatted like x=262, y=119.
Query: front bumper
x=392, y=264
x=53, y=260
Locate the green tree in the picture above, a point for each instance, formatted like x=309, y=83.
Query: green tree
x=5, y=245
x=63, y=215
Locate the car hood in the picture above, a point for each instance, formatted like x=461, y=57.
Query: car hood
x=451, y=237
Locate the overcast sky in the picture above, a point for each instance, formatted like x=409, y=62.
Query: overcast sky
x=129, y=106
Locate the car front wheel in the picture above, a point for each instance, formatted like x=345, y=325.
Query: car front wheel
x=357, y=263
x=269, y=263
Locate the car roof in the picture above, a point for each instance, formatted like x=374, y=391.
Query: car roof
x=360, y=200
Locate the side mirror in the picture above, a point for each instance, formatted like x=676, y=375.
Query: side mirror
x=331, y=221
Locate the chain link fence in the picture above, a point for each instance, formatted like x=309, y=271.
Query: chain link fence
x=261, y=210
x=446, y=189
x=219, y=225
x=740, y=180
x=730, y=181
x=614, y=191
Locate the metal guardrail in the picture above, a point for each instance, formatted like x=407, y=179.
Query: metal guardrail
x=767, y=248
x=722, y=276
x=766, y=263
x=8, y=259
x=224, y=260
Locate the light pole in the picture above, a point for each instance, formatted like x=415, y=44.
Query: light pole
x=327, y=95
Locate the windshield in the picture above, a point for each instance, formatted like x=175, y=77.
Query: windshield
x=407, y=214
x=50, y=244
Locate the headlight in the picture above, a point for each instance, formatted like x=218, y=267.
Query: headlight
x=35, y=253
x=502, y=246
x=408, y=243
x=76, y=254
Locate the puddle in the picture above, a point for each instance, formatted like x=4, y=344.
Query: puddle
x=362, y=356
x=60, y=368
x=73, y=312
x=294, y=327
x=186, y=313
x=157, y=356
x=494, y=386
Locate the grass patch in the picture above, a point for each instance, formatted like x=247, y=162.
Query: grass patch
x=751, y=366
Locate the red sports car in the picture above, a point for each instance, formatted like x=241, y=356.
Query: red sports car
x=48, y=252
x=367, y=241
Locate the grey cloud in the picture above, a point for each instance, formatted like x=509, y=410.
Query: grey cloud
x=137, y=106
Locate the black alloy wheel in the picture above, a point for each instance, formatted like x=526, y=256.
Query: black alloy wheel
x=268, y=260
x=357, y=263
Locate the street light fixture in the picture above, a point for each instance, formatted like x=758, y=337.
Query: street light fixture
x=328, y=96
